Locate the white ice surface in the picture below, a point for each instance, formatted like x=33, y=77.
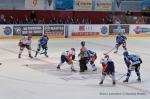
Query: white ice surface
x=38, y=78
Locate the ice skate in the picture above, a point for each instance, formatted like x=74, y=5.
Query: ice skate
x=46, y=55
x=73, y=70
x=126, y=80
x=114, y=83
x=30, y=56
x=139, y=79
x=58, y=67
x=101, y=83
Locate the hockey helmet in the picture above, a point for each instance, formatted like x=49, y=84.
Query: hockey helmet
x=83, y=43
x=44, y=35
x=72, y=49
x=29, y=36
x=106, y=56
x=125, y=53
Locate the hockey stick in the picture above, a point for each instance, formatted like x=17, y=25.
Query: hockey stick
x=121, y=77
x=42, y=52
x=38, y=52
x=33, y=50
x=109, y=51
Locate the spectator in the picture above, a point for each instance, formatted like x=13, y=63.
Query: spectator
x=26, y=21
x=2, y=19
x=103, y=21
x=32, y=15
x=11, y=21
x=109, y=21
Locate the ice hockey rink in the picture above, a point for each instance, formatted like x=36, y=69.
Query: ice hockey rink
x=38, y=78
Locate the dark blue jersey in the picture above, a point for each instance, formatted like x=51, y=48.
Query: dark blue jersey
x=120, y=39
x=43, y=41
x=132, y=60
x=90, y=53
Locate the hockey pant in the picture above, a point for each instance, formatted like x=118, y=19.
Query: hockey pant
x=136, y=69
x=82, y=62
x=28, y=47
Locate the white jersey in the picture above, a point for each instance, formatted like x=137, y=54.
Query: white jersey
x=105, y=60
x=72, y=52
x=68, y=53
x=26, y=41
x=65, y=53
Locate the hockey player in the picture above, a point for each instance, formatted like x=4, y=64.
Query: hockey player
x=108, y=69
x=42, y=44
x=92, y=57
x=133, y=63
x=67, y=56
x=25, y=42
x=120, y=40
x=83, y=57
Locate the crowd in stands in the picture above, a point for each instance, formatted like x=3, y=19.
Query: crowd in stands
x=32, y=19
x=28, y=20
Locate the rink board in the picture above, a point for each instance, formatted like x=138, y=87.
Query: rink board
x=74, y=30
x=99, y=36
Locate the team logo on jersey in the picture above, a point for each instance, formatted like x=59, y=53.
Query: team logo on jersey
x=7, y=30
x=104, y=30
x=139, y=30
